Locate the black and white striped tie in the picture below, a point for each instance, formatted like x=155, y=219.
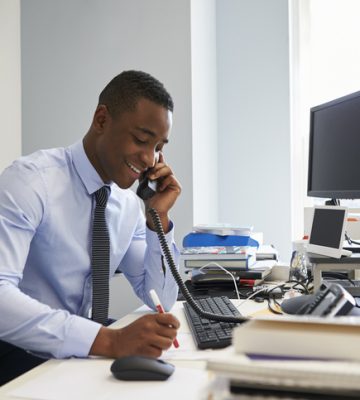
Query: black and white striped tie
x=100, y=259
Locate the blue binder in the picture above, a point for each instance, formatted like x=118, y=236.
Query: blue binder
x=197, y=239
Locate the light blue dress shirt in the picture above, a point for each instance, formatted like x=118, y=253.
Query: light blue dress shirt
x=46, y=209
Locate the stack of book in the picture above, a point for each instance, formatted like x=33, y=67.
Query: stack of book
x=247, y=277
x=292, y=357
x=229, y=257
x=240, y=377
x=240, y=261
x=221, y=235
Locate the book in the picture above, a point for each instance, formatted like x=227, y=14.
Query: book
x=300, y=337
x=194, y=239
x=229, y=257
x=223, y=229
x=201, y=279
x=217, y=252
x=266, y=252
x=228, y=264
x=239, y=273
x=238, y=372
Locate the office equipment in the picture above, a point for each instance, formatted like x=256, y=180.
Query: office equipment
x=334, y=162
x=329, y=301
x=300, y=337
x=210, y=334
x=328, y=231
x=138, y=368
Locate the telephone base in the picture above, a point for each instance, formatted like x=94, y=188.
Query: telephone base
x=293, y=305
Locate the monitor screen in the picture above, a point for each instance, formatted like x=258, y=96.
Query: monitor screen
x=334, y=149
x=327, y=227
x=328, y=231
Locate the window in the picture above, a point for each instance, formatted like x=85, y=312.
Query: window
x=325, y=64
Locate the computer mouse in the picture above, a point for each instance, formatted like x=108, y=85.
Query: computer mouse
x=140, y=368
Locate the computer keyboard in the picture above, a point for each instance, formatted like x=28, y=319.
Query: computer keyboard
x=211, y=334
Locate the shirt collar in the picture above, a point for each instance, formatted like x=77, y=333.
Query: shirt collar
x=88, y=174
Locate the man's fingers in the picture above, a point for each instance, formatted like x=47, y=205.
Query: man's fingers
x=168, y=319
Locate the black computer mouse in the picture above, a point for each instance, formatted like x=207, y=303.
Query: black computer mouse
x=139, y=368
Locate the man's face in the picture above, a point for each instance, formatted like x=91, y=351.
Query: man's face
x=128, y=144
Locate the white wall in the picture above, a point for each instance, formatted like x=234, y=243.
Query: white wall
x=71, y=49
x=253, y=117
x=10, y=82
x=204, y=111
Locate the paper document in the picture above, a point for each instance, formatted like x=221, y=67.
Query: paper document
x=84, y=379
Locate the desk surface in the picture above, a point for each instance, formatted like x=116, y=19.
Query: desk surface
x=91, y=378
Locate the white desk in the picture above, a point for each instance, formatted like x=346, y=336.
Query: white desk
x=91, y=378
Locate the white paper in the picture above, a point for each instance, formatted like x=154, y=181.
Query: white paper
x=187, y=350
x=91, y=379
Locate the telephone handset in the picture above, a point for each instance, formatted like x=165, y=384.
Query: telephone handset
x=146, y=188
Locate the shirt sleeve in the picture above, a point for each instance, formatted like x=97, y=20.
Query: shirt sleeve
x=26, y=322
x=145, y=266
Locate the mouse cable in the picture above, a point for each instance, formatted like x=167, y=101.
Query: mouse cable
x=184, y=290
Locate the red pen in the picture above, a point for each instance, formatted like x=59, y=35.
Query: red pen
x=160, y=309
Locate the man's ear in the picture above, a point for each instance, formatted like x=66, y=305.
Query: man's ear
x=100, y=117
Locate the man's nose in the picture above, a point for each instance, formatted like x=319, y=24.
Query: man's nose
x=149, y=158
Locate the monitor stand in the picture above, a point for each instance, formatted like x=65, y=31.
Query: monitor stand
x=346, y=253
x=354, y=248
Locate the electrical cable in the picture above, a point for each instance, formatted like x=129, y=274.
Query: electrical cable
x=184, y=290
x=215, y=264
x=272, y=309
x=349, y=240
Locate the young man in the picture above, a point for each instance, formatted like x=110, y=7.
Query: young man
x=47, y=203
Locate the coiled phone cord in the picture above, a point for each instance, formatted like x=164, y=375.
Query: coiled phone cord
x=184, y=290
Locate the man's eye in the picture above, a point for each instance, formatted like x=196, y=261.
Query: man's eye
x=139, y=141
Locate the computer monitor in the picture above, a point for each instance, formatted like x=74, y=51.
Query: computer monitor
x=334, y=149
x=328, y=231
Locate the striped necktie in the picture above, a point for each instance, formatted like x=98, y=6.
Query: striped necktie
x=100, y=259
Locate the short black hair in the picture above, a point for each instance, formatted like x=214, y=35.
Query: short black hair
x=124, y=91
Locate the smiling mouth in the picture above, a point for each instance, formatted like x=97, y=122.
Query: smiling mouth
x=137, y=171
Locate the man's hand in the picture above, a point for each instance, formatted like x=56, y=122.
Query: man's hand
x=147, y=336
x=168, y=190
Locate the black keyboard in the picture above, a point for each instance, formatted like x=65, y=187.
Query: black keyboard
x=211, y=334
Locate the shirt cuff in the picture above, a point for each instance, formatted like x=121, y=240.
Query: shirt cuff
x=81, y=336
x=152, y=237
